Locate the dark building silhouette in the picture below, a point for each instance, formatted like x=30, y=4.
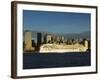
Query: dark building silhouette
x=33, y=43
x=39, y=38
x=39, y=41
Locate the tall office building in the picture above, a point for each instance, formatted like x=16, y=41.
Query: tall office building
x=28, y=41
x=39, y=38
x=86, y=44
x=62, y=39
x=48, y=38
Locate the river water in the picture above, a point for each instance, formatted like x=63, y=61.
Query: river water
x=53, y=60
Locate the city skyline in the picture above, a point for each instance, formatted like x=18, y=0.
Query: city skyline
x=56, y=22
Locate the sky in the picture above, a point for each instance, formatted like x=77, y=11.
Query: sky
x=56, y=22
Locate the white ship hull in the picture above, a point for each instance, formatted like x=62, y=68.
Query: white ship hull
x=51, y=48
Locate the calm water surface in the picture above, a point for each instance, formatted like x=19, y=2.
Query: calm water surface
x=51, y=60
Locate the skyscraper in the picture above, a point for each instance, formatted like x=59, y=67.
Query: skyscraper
x=28, y=41
x=39, y=38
